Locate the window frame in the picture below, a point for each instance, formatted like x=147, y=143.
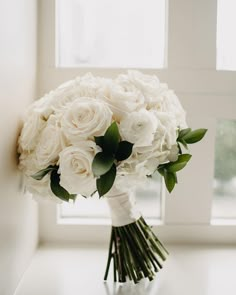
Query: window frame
x=205, y=93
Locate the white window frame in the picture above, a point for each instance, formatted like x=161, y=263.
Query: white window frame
x=206, y=94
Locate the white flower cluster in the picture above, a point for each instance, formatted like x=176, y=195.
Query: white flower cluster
x=59, y=129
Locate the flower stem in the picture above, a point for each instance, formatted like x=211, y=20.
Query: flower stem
x=136, y=252
x=109, y=256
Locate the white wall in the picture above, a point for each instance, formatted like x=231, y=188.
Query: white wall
x=18, y=213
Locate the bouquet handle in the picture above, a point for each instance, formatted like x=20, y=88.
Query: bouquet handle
x=134, y=248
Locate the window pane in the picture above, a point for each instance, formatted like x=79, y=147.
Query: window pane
x=148, y=201
x=226, y=38
x=111, y=33
x=224, y=202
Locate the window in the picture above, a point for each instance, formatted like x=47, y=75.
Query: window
x=224, y=202
x=226, y=39
x=105, y=33
x=208, y=95
x=148, y=200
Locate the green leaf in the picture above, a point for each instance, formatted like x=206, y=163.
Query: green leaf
x=102, y=163
x=184, y=132
x=161, y=170
x=176, y=166
x=194, y=136
x=170, y=180
x=175, y=175
x=183, y=142
x=111, y=139
x=179, y=164
x=183, y=158
x=40, y=174
x=105, y=182
x=180, y=150
x=99, y=141
x=73, y=197
x=58, y=190
x=124, y=150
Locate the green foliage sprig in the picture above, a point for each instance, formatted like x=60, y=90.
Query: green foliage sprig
x=55, y=186
x=104, y=163
x=189, y=136
x=169, y=170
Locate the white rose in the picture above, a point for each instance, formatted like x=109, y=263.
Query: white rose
x=41, y=189
x=85, y=118
x=60, y=98
x=50, y=144
x=76, y=168
x=28, y=163
x=134, y=173
x=91, y=86
x=31, y=130
x=85, y=86
x=139, y=128
x=155, y=102
x=123, y=97
x=164, y=139
x=139, y=164
x=167, y=130
x=173, y=107
x=149, y=85
x=160, y=150
x=41, y=107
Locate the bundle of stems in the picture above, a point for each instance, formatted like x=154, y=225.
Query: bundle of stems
x=136, y=252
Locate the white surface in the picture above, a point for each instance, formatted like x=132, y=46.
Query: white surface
x=189, y=270
x=18, y=213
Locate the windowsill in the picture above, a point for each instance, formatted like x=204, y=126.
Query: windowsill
x=69, y=269
x=99, y=221
x=223, y=221
x=150, y=221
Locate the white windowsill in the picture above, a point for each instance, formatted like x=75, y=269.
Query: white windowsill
x=79, y=269
x=223, y=221
x=99, y=221
x=150, y=221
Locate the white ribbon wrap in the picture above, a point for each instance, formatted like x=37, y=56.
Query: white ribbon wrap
x=122, y=207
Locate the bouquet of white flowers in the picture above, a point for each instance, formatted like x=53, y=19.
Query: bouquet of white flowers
x=95, y=134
